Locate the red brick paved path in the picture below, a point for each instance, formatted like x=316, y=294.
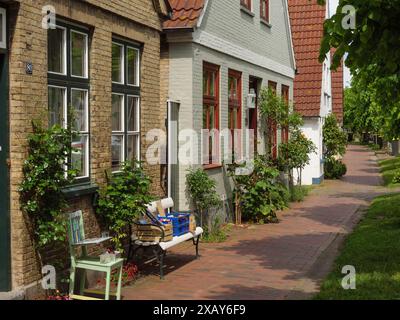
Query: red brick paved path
x=279, y=261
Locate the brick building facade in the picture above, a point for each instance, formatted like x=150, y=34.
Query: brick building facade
x=98, y=32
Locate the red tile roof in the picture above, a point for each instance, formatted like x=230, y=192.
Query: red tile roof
x=307, y=20
x=338, y=93
x=185, y=14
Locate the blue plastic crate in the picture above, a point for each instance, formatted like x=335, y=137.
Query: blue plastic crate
x=180, y=222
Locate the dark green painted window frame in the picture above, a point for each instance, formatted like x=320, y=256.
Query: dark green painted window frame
x=129, y=90
x=70, y=82
x=5, y=226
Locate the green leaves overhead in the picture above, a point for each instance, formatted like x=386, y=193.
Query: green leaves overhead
x=372, y=105
x=372, y=49
x=374, y=40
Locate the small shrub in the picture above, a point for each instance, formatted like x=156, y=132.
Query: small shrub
x=124, y=199
x=334, y=169
x=261, y=193
x=374, y=147
x=202, y=191
x=396, y=177
x=218, y=234
x=298, y=193
x=335, y=139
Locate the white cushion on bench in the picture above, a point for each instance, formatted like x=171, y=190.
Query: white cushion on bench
x=177, y=240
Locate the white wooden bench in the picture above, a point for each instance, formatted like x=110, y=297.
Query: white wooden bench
x=160, y=248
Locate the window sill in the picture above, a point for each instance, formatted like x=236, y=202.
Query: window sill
x=212, y=166
x=265, y=23
x=247, y=11
x=76, y=191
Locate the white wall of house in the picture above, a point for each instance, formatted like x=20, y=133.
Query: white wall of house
x=313, y=127
x=257, y=50
x=313, y=173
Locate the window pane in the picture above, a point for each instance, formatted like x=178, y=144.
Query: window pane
x=79, y=53
x=79, y=155
x=56, y=106
x=117, y=152
x=79, y=105
x=209, y=83
x=1, y=27
x=233, y=88
x=205, y=117
x=212, y=117
x=133, y=66
x=235, y=118
x=55, y=50
x=212, y=84
x=133, y=114
x=133, y=144
x=205, y=84
x=117, y=63
x=117, y=112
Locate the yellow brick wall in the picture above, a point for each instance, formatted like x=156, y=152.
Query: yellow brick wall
x=135, y=20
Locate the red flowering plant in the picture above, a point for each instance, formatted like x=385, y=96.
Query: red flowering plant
x=129, y=274
x=58, y=296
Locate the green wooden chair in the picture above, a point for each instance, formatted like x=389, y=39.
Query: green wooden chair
x=76, y=237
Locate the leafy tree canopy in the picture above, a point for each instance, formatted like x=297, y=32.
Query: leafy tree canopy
x=372, y=51
x=371, y=106
x=373, y=41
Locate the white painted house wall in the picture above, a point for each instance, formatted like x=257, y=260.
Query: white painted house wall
x=232, y=39
x=313, y=127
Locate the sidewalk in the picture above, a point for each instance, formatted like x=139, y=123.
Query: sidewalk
x=276, y=261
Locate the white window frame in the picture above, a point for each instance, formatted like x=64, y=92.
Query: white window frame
x=123, y=128
x=85, y=133
x=65, y=110
x=135, y=133
x=86, y=69
x=3, y=44
x=122, y=63
x=137, y=76
x=64, y=73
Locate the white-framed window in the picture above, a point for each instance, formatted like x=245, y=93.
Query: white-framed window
x=79, y=54
x=57, y=50
x=132, y=66
x=3, y=28
x=133, y=128
x=118, y=61
x=68, y=89
x=57, y=111
x=118, y=131
x=125, y=115
x=80, y=156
